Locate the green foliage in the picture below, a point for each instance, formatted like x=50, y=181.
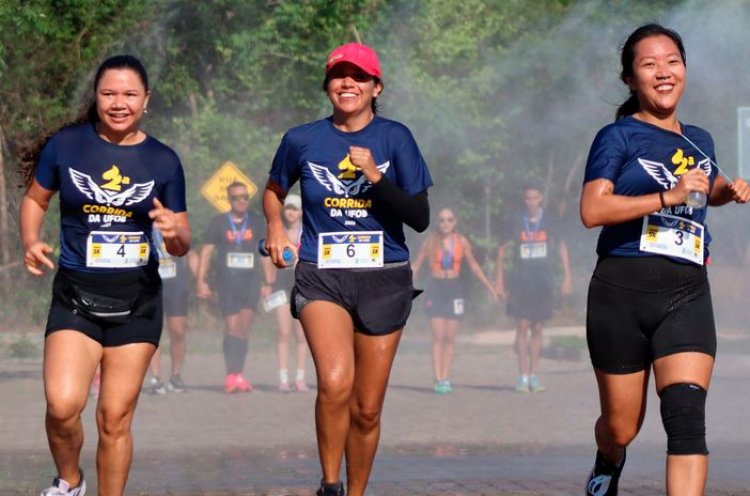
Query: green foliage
x=481, y=83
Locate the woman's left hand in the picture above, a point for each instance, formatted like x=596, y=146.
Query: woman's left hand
x=740, y=190
x=362, y=159
x=164, y=219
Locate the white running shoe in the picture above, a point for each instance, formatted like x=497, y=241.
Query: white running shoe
x=62, y=488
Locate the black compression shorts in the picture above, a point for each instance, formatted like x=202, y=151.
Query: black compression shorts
x=378, y=300
x=644, y=308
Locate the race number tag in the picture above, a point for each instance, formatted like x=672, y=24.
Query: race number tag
x=533, y=250
x=458, y=306
x=237, y=260
x=167, y=268
x=119, y=250
x=350, y=250
x=673, y=236
x=275, y=300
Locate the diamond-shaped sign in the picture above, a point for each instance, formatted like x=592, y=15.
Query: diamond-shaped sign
x=215, y=189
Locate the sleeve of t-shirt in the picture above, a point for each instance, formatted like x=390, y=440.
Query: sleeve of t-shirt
x=285, y=165
x=412, y=174
x=47, y=170
x=606, y=155
x=173, y=192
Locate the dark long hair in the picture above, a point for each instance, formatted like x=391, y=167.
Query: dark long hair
x=29, y=156
x=627, y=57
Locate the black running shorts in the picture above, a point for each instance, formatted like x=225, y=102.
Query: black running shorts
x=237, y=296
x=175, y=301
x=145, y=323
x=644, y=308
x=378, y=300
x=531, y=295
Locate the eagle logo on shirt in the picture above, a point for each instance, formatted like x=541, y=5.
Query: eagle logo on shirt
x=663, y=176
x=346, y=188
x=86, y=185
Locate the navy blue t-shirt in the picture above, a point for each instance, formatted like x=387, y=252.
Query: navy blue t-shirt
x=640, y=158
x=107, y=187
x=335, y=196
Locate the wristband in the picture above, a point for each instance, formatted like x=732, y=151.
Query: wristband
x=661, y=199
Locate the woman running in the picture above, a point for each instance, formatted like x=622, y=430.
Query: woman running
x=362, y=177
x=649, y=303
x=116, y=185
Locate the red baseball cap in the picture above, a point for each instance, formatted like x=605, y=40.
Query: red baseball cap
x=360, y=55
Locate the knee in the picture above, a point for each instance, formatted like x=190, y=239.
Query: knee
x=683, y=413
x=61, y=411
x=619, y=432
x=113, y=422
x=283, y=335
x=334, y=389
x=365, y=417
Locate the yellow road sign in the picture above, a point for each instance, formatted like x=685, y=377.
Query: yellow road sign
x=215, y=189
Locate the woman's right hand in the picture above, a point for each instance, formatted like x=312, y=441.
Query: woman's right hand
x=36, y=257
x=277, y=241
x=693, y=180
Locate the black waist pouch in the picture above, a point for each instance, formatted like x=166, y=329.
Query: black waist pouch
x=108, y=298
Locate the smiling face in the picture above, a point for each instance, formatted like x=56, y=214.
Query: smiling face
x=121, y=98
x=351, y=89
x=658, y=76
x=446, y=221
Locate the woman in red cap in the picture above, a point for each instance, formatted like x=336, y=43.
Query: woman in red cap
x=362, y=177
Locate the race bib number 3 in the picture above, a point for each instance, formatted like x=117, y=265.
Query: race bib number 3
x=349, y=250
x=673, y=236
x=116, y=249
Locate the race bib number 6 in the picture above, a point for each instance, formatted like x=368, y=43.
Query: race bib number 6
x=350, y=250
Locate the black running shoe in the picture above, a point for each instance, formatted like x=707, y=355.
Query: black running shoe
x=335, y=489
x=604, y=477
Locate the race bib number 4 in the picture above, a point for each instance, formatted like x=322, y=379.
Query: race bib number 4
x=673, y=236
x=350, y=250
x=116, y=249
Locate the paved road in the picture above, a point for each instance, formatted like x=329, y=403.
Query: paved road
x=483, y=439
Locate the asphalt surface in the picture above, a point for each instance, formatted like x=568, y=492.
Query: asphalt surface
x=482, y=439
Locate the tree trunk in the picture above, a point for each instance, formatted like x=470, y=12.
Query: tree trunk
x=5, y=239
x=4, y=224
x=488, y=224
